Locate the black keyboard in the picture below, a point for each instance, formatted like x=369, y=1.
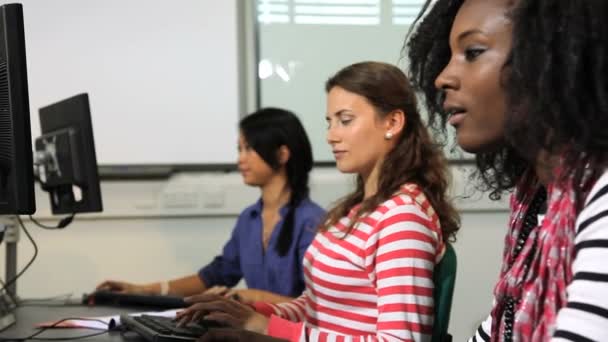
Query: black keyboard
x=164, y=329
x=121, y=299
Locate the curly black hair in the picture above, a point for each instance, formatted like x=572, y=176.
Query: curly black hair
x=556, y=82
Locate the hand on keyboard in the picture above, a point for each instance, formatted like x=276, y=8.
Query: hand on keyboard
x=224, y=310
x=245, y=296
x=165, y=329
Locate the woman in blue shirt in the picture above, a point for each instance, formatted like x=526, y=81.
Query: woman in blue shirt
x=270, y=237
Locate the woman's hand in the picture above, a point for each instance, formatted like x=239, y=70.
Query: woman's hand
x=124, y=287
x=245, y=296
x=222, y=310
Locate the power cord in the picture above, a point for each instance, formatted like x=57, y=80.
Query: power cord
x=10, y=282
x=9, y=294
x=64, y=222
x=34, y=338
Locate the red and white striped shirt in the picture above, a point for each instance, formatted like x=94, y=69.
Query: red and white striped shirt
x=376, y=284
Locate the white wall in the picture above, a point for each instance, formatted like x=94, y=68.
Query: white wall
x=152, y=230
x=479, y=251
x=152, y=69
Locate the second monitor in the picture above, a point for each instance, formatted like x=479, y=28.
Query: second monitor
x=65, y=154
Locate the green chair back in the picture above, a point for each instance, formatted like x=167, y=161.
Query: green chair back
x=444, y=278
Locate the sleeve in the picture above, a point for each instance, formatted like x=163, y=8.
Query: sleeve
x=286, y=319
x=294, y=310
x=585, y=316
x=483, y=331
x=225, y=269
x=400, y=256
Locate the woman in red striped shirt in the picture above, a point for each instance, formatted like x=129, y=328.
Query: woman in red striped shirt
x=369, y=271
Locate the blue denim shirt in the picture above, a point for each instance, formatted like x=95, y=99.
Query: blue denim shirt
x=244, y=257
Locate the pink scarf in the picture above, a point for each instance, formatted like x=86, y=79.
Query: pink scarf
x=540, y=288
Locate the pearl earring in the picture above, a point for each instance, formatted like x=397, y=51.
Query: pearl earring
x=388, y=136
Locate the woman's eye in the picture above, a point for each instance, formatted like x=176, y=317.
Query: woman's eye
x=345, y=121
x=472, y=53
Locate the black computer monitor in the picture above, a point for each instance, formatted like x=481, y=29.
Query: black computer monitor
x=16, y=162
x=65, y=154
x=16, y=165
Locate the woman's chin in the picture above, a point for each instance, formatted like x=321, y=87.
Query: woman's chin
x=249, y=182
x=475, y=146
x=344, y=168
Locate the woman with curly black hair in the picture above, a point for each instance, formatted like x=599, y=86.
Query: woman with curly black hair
x=524, y=84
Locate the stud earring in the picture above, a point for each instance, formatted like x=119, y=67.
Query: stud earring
x=388, y=135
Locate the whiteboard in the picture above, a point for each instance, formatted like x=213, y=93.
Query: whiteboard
x=162, y=76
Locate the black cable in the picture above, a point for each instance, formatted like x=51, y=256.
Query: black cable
x=8, y=293
x=12, y=281
x=64, y=222
x=33, y=336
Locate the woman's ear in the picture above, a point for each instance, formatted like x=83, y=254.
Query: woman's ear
x=284, y=154
x=395, y=122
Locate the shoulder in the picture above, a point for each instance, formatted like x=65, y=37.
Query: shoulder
x=308, y=204
x=596, y=205
x=248, y=214
x=405, y=222
x=409, y=200
x=408, y=207
x=308, y=216
x=252, y=210
x=309, y=209
x=410, y=214
x=599, y=192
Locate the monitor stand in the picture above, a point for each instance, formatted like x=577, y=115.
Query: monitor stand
x=10, y=228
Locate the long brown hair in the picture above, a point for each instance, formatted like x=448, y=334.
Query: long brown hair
x=416, y=158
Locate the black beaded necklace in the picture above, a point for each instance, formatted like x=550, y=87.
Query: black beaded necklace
x=530, y=222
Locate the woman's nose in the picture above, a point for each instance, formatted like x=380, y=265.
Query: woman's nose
x=447, y=78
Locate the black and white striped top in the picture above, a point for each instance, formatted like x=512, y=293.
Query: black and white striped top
x=585, y=316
